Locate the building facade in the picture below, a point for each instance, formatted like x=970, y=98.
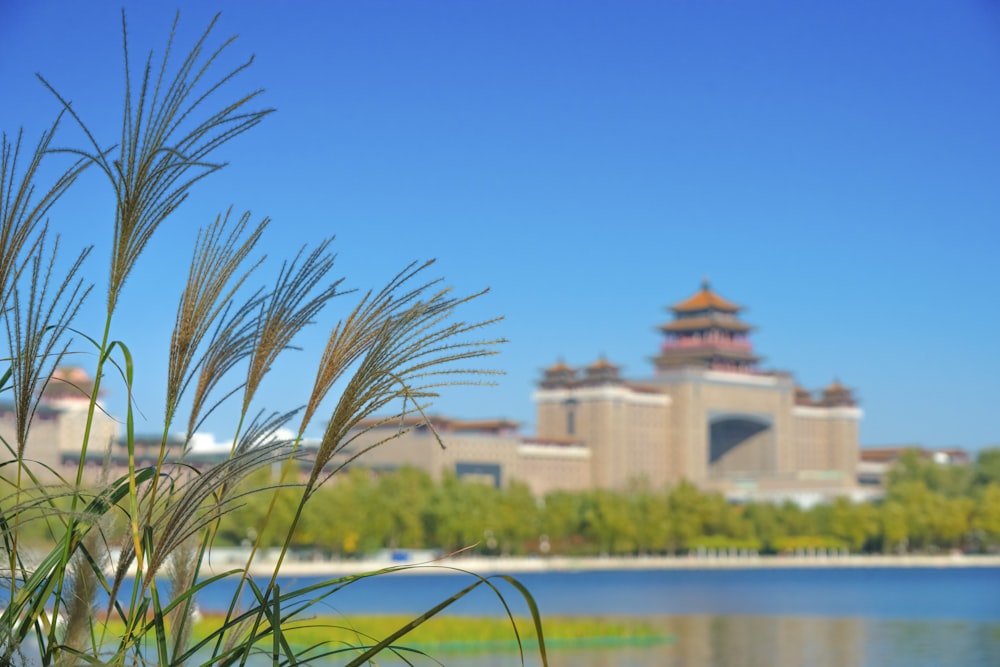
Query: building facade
x=56, y=435
x=709, y=415
x=491, y=451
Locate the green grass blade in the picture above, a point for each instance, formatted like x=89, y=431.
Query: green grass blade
x=159, y=627
x=41, y=583
x=536, y=617
x=406, y=629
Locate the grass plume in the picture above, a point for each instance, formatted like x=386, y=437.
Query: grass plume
x=296, y=299
x=92, y=591
x=36, y=322
x=217, y=271
x=167, y=142
x=21, y=210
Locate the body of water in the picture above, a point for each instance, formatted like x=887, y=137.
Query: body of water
x=824, y=617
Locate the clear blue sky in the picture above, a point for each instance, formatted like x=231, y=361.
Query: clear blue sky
x=832, y=166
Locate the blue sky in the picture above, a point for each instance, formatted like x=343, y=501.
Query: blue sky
x=833, y=167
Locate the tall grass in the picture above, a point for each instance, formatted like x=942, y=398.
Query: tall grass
x=393, y=351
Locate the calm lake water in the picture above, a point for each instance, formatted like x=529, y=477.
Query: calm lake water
x=836, y=617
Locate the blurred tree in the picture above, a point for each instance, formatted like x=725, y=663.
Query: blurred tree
x=461, y=514
x=248, y=517
x=796, y=521
x=767, y=524
x=356, y=516
x=405, y=494
x=948, y=479
x=916, y=500
x=561, y=520
x=648, y=513
x=404, y=508
x=516, y=519
x=949, y=521
x=853, y=524
x=720, y=517
x=986, y=469
x=607, y=521
x=986, y=515
x=685, y=517
x=894, y=527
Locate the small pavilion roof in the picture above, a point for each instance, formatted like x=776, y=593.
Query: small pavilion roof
x=835, y=386
x=558, y=367
x=602, y=363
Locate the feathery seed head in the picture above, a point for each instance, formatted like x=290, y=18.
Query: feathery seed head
x=296, y=299
x=215, y=275
x=405, y=353
x=168, y=138
x=37, y=322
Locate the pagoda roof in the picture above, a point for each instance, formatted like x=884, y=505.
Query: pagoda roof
x=558, y=367
x=705, y=299
x=706, y=352
x=601, y=371
x=835, y=386
x=601, y=364
x=705, y=322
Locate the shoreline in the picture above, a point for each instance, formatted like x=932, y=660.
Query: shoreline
x=520, y=565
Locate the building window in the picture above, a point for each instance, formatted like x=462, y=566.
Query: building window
x=488, y=473
x=570, y=416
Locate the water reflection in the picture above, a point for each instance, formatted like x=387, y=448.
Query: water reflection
x=762, y=641
x=783, y=641
x=767, y=641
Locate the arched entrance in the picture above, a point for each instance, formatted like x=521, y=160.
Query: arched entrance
x=740, y=444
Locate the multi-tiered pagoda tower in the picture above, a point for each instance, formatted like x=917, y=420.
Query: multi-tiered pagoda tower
x=710, y=414
x=706, y=332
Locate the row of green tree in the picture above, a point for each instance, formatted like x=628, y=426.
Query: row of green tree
x=927, y=508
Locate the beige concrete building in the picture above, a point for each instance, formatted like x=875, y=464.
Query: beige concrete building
x=709, y=415
x=487, y=450
x=56, y=434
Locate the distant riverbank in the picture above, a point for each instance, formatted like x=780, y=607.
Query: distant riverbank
x=515, y=565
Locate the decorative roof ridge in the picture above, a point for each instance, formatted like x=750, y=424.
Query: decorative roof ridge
x=642, y=387
x=439, y=422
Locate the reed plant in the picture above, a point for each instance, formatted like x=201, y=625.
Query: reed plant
x=121, y=564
